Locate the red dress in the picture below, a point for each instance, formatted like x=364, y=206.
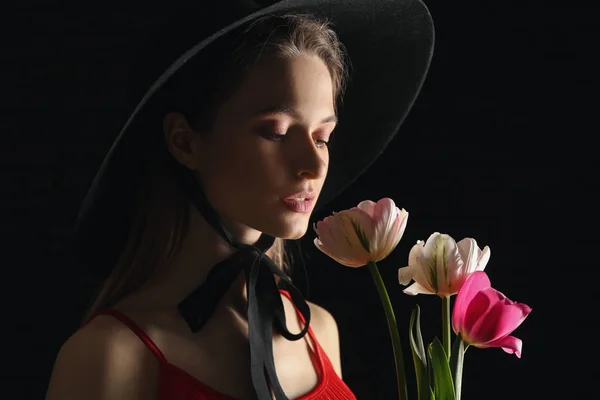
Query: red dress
x=175, y=383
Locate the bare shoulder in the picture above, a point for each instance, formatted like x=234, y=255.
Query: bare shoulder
x=103, y=360
x=326, y=330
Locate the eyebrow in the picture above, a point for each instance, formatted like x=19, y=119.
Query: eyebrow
x=292, y=112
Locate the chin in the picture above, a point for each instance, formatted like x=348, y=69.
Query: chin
x=284, y=225
x=294, y=236
x=288, y=230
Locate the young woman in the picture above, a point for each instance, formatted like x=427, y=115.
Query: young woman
x=224, y=159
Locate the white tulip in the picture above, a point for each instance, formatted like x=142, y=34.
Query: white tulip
x=440, y=266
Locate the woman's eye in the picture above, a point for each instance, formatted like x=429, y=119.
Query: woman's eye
x=323, y=142
x=275, y=136
x=281, y=136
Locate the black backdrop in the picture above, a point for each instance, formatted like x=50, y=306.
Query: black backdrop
x=496, y=148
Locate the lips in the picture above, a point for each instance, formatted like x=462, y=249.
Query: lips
x=301, y=196
x=301, y=202
x=299, y=206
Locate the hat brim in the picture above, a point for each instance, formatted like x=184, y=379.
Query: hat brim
x=390, y=46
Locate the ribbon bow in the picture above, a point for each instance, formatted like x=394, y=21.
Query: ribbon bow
x=264, y=300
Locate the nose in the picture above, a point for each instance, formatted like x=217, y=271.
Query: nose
x=310, y=161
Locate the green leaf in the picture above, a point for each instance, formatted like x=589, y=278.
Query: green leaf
x=419, y=356
x=431, y=394
x=456, y=364
x=443, y=386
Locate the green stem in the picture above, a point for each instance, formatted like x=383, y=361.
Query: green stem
x=446, y=324
x=393, y=327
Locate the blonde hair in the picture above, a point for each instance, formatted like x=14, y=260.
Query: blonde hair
x=162, y=208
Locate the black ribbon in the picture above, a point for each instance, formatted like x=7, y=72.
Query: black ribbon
x=265, y=308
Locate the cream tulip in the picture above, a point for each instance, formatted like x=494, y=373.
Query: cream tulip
x=440, y=266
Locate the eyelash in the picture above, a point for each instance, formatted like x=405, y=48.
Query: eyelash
x=279, y=136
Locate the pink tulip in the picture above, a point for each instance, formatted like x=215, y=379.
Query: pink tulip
x=484, y=317
x=366, y=233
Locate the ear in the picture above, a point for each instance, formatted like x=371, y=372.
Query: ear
x=181, y=140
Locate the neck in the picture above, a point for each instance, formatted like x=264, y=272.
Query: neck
x=201, y=249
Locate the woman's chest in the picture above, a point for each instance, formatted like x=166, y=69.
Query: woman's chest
x=223, y=363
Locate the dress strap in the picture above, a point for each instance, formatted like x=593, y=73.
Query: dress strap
x=311, y=334
x=135, y=328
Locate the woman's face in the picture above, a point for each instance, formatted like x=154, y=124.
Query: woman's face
x=269, y=141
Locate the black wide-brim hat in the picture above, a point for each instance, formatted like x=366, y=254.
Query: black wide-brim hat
x=389, y=44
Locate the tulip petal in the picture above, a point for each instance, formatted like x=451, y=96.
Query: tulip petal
x=338, y=239
x=484, y=257
x=388, y=235
x=473, y=260
x=415, y=253
x=476, y=282
x=368, y=206
x=451, y=267
x=485, y=317
x=348, y=262
x=406, y=274
x=509, y=344
x=477, y=312
x=469, y=252
x=428, y=260
x=357, y=218
x=444, y=262
x=384, y=216
x=419, y=271
x=501, y=320
x=368, y=232
x=429, y=246
x=416, y=288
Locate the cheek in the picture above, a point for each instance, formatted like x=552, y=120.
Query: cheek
x=242, y=171
x=248, y=165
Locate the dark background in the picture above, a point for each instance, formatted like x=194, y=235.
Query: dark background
x=496, y=148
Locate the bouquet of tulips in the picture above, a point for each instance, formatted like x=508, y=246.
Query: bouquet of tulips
x=481, y=317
